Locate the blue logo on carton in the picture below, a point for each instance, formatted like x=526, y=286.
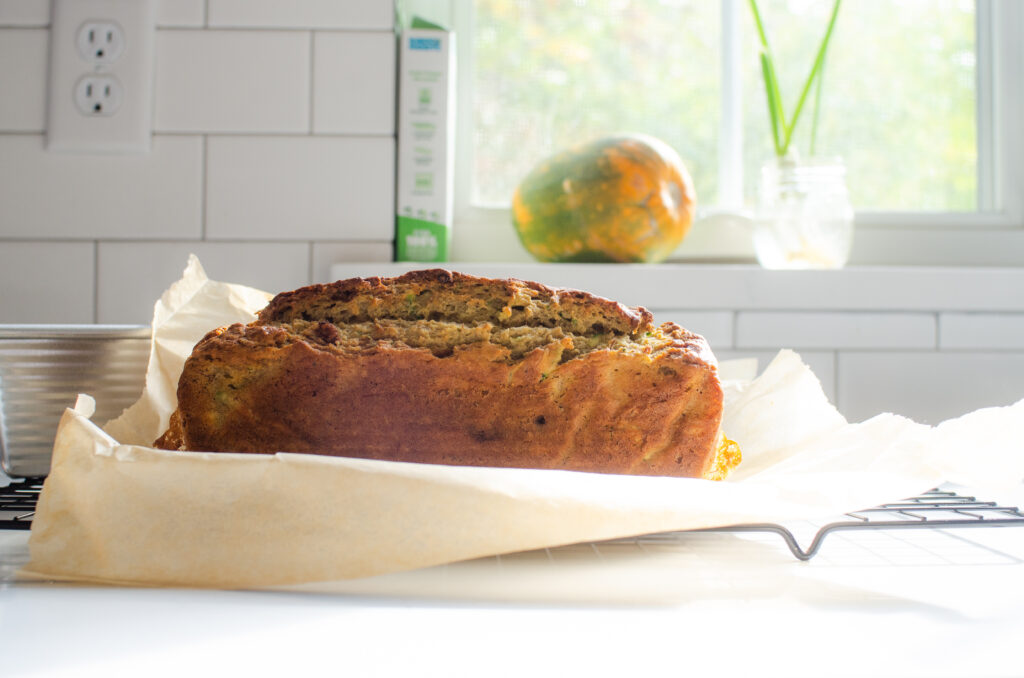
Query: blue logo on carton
x=424, y=43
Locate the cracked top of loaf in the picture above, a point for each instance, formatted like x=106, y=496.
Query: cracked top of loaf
x=438, y=294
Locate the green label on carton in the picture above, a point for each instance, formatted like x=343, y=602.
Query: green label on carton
x=421, y=240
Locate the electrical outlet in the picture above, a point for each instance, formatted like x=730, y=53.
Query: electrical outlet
x=100, y=42
x=101, y=75
x=98, y=95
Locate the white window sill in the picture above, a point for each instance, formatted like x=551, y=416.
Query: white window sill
x=746, y=287
x=955, y=241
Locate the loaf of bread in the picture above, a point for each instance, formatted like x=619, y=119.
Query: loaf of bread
x=446, y=368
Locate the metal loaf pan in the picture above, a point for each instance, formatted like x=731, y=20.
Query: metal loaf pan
x=43, y=368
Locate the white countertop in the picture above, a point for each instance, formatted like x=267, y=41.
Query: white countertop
x=908, y=603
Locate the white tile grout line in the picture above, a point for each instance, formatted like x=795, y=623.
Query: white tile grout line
x=835, y=377
x=243, y=28
x=837, y=393
x=204, y=177
x=312, y=79
x=95, y=281
x=286, y=134
x=309, y=265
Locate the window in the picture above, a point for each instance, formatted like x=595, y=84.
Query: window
x=921, y=98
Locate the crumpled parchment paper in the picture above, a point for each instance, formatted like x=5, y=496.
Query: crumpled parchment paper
x=117, y=511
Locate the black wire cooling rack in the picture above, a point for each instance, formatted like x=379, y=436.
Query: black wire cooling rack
x=18, y=503
x=936, y=509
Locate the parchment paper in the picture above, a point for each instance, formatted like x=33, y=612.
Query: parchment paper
x=115, y=510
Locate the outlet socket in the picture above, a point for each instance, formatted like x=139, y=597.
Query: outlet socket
x=98, y=95
x=101, y=76
x=100, y=42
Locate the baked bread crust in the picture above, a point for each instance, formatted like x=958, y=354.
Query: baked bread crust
x=440, y=367
x=435, y=294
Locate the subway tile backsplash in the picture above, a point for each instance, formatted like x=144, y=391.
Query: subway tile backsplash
x=272, y=157
x=23, y=58
x=357, y=14
x=992, y=331
x=300, y=188
x=715, y=326
x=132, y=276
x=926, y=386
x=181, y=13
x=758, y=329
x=24, y=12
x=46, y=195
x=37, y=13
x=353, y=85
x=47, y=282
x=232, y=81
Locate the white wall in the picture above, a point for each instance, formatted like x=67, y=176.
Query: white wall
x=272, y=157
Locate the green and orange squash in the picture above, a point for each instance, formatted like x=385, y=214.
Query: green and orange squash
x=617, y=199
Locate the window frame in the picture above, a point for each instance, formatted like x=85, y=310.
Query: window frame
x=993, y=235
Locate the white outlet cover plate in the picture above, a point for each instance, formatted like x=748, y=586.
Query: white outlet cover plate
x=128, y=129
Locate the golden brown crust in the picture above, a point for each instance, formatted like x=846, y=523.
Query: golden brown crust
x=173, y=437
x=442, y=294
x=463, y=389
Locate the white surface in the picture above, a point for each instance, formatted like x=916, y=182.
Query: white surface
x=363, y=14
x=125, y=68
x=181, y=13
x=930, y=603
x=712, y=287
x=718, y=327
x=24, y=12
x=759, y=329
x=62, y=272
x=326, y=254
x=37, y=12
x=84, y=196
x=928, y=387
x=822, y=363
x=232, y=81
x=354, y=82
x=132, y=276
x=23, y=79
x=981, y=330
x=328, y=188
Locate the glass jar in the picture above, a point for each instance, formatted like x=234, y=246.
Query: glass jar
x=804, y=218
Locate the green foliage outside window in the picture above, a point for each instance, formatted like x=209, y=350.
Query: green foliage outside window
x=899, y=104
